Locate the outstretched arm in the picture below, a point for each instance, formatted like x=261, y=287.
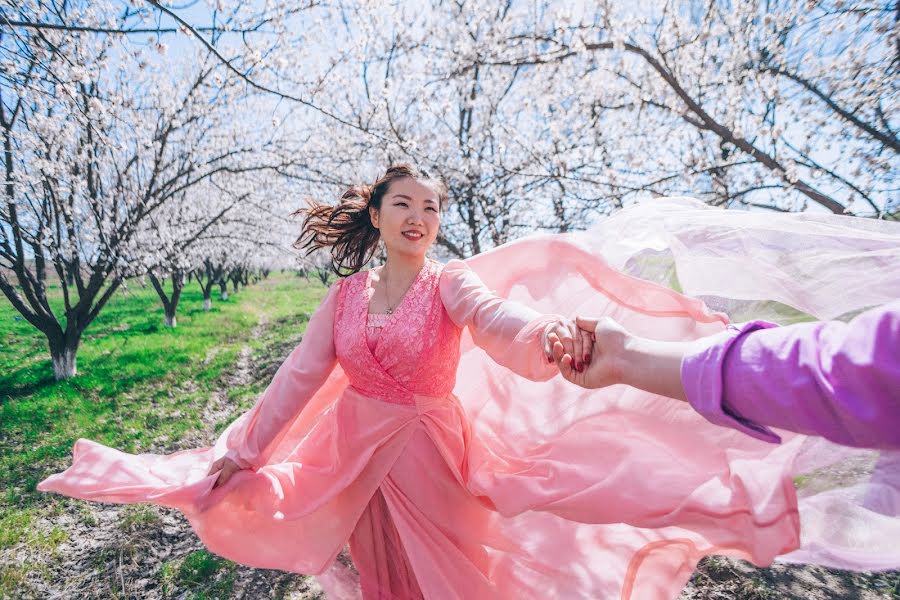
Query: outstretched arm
x=512, y=334
x=833, y=379
x=304, y=371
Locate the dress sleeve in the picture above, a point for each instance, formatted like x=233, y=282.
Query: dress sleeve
x=511, y=333
x=832, y=379
x=298, y=378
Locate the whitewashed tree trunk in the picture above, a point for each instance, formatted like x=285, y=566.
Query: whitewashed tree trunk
x=64, y=365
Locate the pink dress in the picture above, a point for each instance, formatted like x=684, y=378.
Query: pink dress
x=380, y=452
x=443, y=448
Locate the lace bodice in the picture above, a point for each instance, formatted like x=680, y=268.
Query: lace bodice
x=375, y=323
x=417, y=346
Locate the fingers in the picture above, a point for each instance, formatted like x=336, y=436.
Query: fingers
x=226, y=469
x=549, y=339
x=561, y=345
x=566, y=336
x=578, y=350
x=587, y=340
x=565, y=364
x=556, y=332
x=558, y=350
x=216, y=466
x=564, y=339
x=574, y=343
x=587, y=344
x=225, y=474
x=588, y=324
x=567, y=369
x=563, y=361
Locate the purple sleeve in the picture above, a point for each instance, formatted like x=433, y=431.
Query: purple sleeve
x=837, y=380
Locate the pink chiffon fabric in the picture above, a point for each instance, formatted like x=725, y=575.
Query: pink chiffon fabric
x=784, y=267
x=456, y=463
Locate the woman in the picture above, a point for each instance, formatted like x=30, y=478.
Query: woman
x=452, y=476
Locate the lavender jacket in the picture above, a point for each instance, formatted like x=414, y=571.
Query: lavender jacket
x=837, y=380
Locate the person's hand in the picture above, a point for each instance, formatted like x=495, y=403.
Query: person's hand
x=575, y=342
x=606, y=363
x=226, y=468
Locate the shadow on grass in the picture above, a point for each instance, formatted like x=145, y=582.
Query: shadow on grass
x=27, y=381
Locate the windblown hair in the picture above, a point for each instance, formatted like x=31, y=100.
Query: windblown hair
x=347, y=228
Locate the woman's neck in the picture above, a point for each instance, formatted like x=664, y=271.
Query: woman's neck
x=403, y=267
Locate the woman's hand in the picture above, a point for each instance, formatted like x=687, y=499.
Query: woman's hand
x=226, y=468
x=610, y=341
x=575, y=342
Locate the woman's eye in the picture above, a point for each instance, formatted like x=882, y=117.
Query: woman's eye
x=431, y=208
x=401, y=204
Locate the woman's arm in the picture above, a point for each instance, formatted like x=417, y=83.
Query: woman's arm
x=296, y=381
x=512, y=334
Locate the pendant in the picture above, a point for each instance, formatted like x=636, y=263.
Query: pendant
x=389, y=311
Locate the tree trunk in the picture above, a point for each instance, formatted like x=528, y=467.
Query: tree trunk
x=63, y=355
x=223, y=289
x=170, y=305
x=207, y=302
x=324, y=276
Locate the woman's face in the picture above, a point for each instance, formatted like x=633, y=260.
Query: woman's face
x=409, y=218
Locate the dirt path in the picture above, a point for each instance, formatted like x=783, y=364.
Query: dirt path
x=720, y=578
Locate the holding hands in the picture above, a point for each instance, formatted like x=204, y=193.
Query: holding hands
x=575, y=343
x=607, y=348
x=617, y=356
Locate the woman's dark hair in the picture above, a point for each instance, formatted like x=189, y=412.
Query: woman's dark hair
x=347, y=228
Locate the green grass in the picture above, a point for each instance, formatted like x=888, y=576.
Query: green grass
x=136, y=516
x=203, y=575
x=140, y=385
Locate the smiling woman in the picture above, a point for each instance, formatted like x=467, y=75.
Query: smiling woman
x=408, y=221
x=353, y=228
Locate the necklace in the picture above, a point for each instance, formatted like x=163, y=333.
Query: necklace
x=387, y=299
x=390, y=306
